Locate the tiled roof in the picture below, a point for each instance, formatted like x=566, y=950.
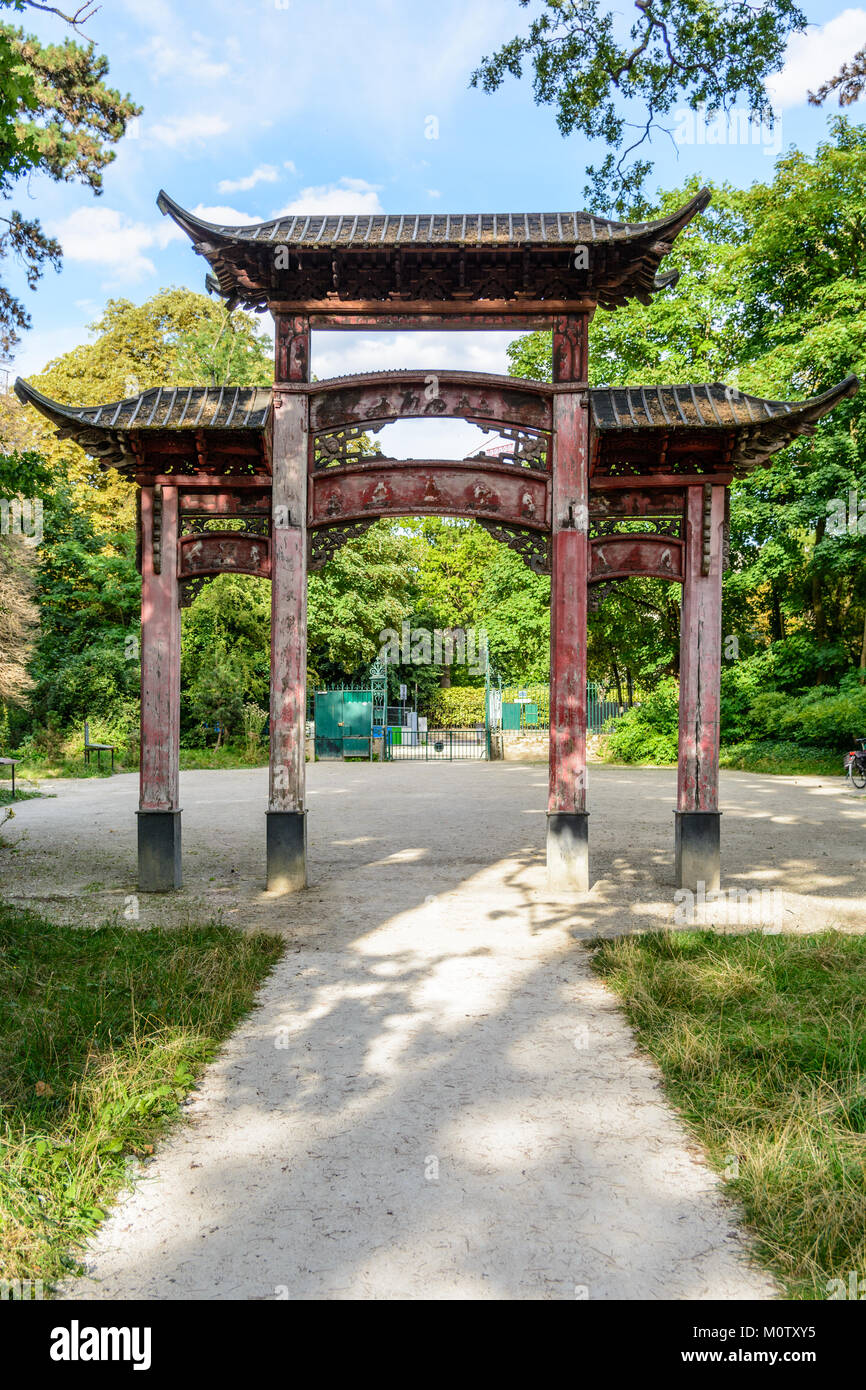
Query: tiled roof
x=463, y=230
x=761, y=427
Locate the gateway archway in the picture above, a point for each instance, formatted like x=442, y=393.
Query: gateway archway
x=600, y=483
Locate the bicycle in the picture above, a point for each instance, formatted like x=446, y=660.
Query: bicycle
x=855, y=765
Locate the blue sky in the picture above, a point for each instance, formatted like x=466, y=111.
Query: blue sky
x=256, y=107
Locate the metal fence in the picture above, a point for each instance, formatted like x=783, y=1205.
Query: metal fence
x=528, y=707
x=437, y=745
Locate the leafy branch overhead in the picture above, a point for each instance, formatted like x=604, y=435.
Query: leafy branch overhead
x=58, y=117
x=616, y=84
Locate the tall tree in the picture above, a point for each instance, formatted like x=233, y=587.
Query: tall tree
x=705, y=54
x=59, y=118
x=176, y=337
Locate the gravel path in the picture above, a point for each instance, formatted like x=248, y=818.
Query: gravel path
x=436, y=1098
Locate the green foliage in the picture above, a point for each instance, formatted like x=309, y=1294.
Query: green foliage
x=216, y=697
x=458, y=707
x=254, y=723
x=597, y=75
x=231, y=615
x=647, y=733
x=102, y=1033
x=761, y=1042
x=58, y=118
x=821, y=718
x=781, y=759
x=363, y=590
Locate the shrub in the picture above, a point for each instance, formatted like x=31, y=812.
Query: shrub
x=254, y=723
x=647, y=733
x=458, y=707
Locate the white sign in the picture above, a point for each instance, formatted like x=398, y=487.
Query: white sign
x=402, y=692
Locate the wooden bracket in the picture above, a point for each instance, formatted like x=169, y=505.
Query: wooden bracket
x=707, y=530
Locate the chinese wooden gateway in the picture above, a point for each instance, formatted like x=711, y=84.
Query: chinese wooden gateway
x=598, y=483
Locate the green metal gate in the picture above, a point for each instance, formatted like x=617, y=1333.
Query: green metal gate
x=343, y=721
x=437, y=745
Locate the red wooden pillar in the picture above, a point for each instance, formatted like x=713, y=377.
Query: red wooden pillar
x=159, y=853
x=286, y=816
x=567, y=817
x=697, y=814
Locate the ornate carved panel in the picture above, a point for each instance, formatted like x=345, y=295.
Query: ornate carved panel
x=334, y=447
x=433, y=488
x=621, y=556
x=533, y=547
x=209, y=525
x=412, y=395
x=636, y=501
x=528, y=448
x=189, y=589
x=225, y=552
x=327, y=540
x=644, y=525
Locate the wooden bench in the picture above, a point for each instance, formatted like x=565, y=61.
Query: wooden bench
x=97, y=748
x=13, y=763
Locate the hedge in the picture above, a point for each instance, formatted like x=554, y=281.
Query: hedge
x=457, y=707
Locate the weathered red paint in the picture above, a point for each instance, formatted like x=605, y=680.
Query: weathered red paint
x=223, y=552
x=288, y=603
x=510, y=494
x=227, y=503
x=634, y=501
x=570, y=347
x=160, y=655
x=395, y=323
x=292, y=342
x=615, y=557
x=382, y=396
x=364, y=312
x=700, y=655
x=568, y=597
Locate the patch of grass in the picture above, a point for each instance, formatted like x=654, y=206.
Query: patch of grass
x=20, y=795
x=779, y=759
x=787, y=759
x=103, y=1032
x=219, y=758
x=33, y=768
x=762, y=1042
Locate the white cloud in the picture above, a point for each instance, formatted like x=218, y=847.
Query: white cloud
x=225, y=216
x=815, y=56
x=345, y=196
x=433, y=193
x=265, y=173
x=179, y=131
x=338, y=354
x=113, y=241
x=193, y=60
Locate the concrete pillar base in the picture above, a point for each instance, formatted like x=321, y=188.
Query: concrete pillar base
x=697, y=844
x=568, y=850
x=159, y=858
x=286, y=851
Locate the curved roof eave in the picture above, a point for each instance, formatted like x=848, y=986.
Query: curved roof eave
x=452, y=230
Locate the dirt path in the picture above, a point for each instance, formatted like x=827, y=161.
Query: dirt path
x=436, y=1098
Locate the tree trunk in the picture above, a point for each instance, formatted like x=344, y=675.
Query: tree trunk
x=616, y=677
x=777, y=621
x=863, y=651
x=817, y=590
